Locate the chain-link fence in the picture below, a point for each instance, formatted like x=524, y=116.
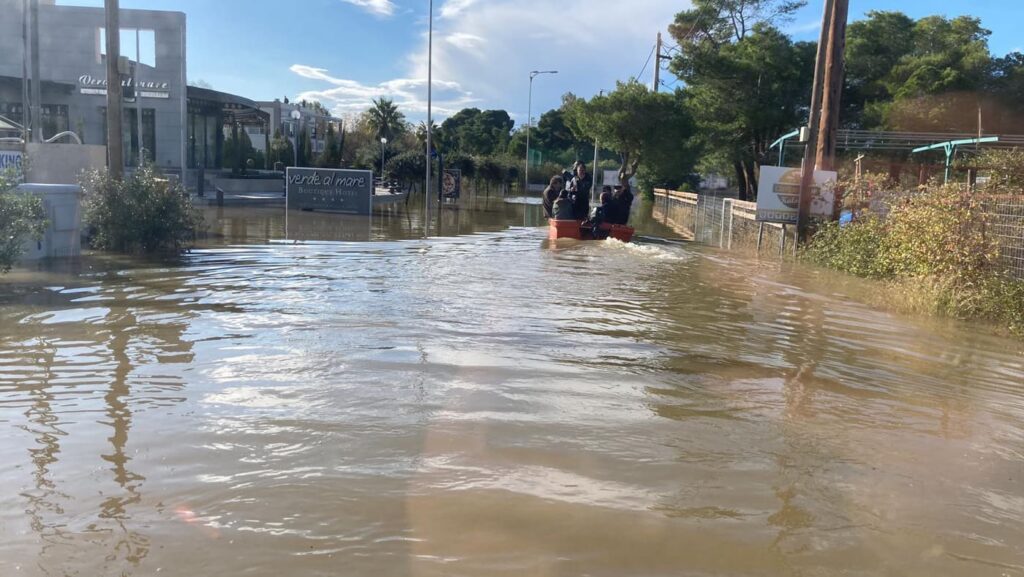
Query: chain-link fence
x=1005, y=216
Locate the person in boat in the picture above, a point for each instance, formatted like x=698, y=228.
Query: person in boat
x=563, y=208
x=580, y=188
x=622, y=204
x=601, y=214
x=555, y=186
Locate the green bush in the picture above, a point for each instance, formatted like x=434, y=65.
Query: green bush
x=21, y=218
x=932, y=246
x=143, y=213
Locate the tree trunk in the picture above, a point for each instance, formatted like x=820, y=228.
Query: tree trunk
x=741, y=180
x=751, y=181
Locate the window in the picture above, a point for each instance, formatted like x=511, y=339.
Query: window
x=130, y=134
x=54, y=118
x=137, y=44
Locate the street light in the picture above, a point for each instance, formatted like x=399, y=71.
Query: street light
x=296, y=115
x=383, y=143
x=529, y=121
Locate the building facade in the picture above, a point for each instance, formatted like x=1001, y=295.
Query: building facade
x=71, y=60
x=315, y=120
x=167, y=122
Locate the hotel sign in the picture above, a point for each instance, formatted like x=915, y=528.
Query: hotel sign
x=11, y=160
x=345, y=191
x=778, y=194
x=88, y=84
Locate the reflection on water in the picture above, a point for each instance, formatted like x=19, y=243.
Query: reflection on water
x=461, y=396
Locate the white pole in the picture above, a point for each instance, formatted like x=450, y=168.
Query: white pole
x=430, y=94
x=529, y=121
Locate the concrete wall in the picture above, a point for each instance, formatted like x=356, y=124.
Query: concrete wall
x=63, y=237
x=62, y=163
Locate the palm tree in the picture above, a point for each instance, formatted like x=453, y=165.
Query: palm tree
x=421, y=132
x=385, y=119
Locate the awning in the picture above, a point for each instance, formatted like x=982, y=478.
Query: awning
x=234, y=108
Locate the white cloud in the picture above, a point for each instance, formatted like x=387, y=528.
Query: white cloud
x=453, y=8
x=485, y=49
x=464, y=40
x=378, y=7
x=344, y=96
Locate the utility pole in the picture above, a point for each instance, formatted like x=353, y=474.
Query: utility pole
x=37, y=83
x=811, y=146
x=833, y=87
x=26, y=101
x=657, y=63
x=658, y=57
x=115, y=144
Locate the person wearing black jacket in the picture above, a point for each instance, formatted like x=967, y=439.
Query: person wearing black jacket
x=622, y=204
x=580, y=188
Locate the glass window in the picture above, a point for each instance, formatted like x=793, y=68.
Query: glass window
x=138, y=45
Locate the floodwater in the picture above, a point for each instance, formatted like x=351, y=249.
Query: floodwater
x=330, y=396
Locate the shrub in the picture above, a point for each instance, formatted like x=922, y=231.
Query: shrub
x=21, y=218
x=143, y=213
x=932, y=246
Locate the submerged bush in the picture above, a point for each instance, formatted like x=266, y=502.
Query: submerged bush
x=933, y=247
x=143, y=213
x=22, y=218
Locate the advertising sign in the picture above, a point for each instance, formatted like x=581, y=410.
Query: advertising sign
x=778, y=194
x=345, y=191
x=451, y=184
x=10, y=160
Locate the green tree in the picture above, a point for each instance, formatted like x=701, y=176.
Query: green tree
x=22, y=217
x=472, y=131
x=640, y=125
x=924, y=75
x=331, y=156
x=747, y=82
x=384, y=119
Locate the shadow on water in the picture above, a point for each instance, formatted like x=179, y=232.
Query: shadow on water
x=458, y=395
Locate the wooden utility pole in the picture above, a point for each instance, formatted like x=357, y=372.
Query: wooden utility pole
x=115, y=144
x=657, y=63
x=833, y=86
x=811, y=145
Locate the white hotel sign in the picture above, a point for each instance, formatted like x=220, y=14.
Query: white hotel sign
x=89, y=84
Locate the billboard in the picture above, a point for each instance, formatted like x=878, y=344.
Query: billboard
x=451, y=183
x=344, y=191
x=778, y=194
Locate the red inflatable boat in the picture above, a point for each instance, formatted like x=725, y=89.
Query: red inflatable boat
x=580, y=231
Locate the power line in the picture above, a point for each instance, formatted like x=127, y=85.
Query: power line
x=644, y=69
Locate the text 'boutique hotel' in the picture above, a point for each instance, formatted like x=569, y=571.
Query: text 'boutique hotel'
x=172, y=124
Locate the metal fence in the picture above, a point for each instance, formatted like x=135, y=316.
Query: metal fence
x=717, y=219
x=1005, y=218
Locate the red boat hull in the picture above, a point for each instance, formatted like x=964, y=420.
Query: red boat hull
x=576, y=230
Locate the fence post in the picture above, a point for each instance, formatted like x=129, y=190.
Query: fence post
x=731, y=210
x=721, y=234
x=782, y=241
x=760, y=236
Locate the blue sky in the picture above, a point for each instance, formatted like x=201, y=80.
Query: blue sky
x=345, y=52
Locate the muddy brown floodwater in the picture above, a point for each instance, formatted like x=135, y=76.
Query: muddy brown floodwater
x=329, y=396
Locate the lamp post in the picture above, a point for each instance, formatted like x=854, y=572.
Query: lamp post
x=383, y=143
x=529, y=121
x=296, y=116
x=430, y=110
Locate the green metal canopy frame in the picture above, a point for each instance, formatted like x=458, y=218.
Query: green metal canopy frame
x=950, y=149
